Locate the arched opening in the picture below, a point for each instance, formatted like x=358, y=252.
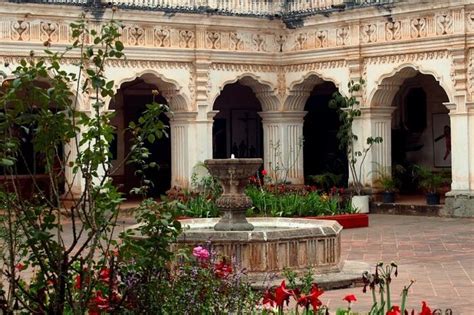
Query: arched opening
x=321, y=151
x=33, y=124
x=421, y=129
x=420, y=133
x=237, y=128
x=129, y=104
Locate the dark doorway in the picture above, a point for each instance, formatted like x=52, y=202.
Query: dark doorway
x=237, y=127
x=130, y=104
x=321, y=147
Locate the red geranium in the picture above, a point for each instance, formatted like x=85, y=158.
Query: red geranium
x=264, y=172
x=222, y=269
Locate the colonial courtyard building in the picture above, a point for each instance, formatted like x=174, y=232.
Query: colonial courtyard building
x=253, y=78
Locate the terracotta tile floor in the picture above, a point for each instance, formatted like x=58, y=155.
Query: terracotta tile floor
x=436, y=252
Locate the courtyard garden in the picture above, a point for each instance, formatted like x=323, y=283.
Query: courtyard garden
x=74, y=257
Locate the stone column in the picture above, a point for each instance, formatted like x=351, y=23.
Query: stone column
x=283, y=145
x=373, y=122
x=460, y=200
x=183, y=147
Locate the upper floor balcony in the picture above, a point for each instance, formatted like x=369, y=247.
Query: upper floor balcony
x=289, y=10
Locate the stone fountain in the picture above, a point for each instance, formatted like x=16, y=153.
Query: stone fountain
x=262, y=245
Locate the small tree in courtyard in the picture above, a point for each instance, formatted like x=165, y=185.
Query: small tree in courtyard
x=348, y=109
x=43, y=271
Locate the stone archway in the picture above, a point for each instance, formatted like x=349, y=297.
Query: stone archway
x=408, y=112
x=129, y=104
x=237, y=127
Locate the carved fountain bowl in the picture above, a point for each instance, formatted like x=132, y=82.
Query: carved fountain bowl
x=239, y=170
x=274, y=244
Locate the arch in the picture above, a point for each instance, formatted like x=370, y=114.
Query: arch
x=299, y=91
x=388, y=84
x=170, y=89
x=263, y=90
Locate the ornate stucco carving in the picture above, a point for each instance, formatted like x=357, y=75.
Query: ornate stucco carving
x=312, y=66
x=398, y=58
x=244, y=67
x=369, y=33
x=162, y=36
x=470, y=73
x=21, y=30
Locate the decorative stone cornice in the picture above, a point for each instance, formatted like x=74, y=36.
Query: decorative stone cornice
x=311, y=66
x=400, y=58
x=239, y=67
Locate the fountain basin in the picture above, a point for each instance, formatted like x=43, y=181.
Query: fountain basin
x=274, y=244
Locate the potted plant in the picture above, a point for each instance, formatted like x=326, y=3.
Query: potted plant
x=430, y=181
x=348, y=109
x=389, y=181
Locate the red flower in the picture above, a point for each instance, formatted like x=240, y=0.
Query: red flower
x=425, y=310
x=51, y=282
x=98, y=304
x=282, y=294
x=350, y=298
x=264, y=172
x=104, y=274
x=311, y=298
x=394, y=311
x=77, y=282
x=222, y=269
x=269, y=299
x=20, y=266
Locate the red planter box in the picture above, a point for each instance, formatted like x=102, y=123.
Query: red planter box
x=348, y=221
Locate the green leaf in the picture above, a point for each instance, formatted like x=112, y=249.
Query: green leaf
x=151, y=138
x=6, y=162
x=119, y=45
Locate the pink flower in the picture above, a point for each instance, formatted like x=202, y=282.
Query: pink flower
x=264, y=172
x=201, y=253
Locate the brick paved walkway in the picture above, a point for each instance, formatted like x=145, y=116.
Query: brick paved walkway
x=437, y=252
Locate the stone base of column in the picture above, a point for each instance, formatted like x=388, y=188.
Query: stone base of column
x=459, y=204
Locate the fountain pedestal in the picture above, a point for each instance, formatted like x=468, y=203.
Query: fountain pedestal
x=233, y=176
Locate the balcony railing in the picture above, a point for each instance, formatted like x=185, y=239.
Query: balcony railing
x=264, y=8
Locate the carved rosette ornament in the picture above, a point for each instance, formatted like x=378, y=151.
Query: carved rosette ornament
x=233, y=176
